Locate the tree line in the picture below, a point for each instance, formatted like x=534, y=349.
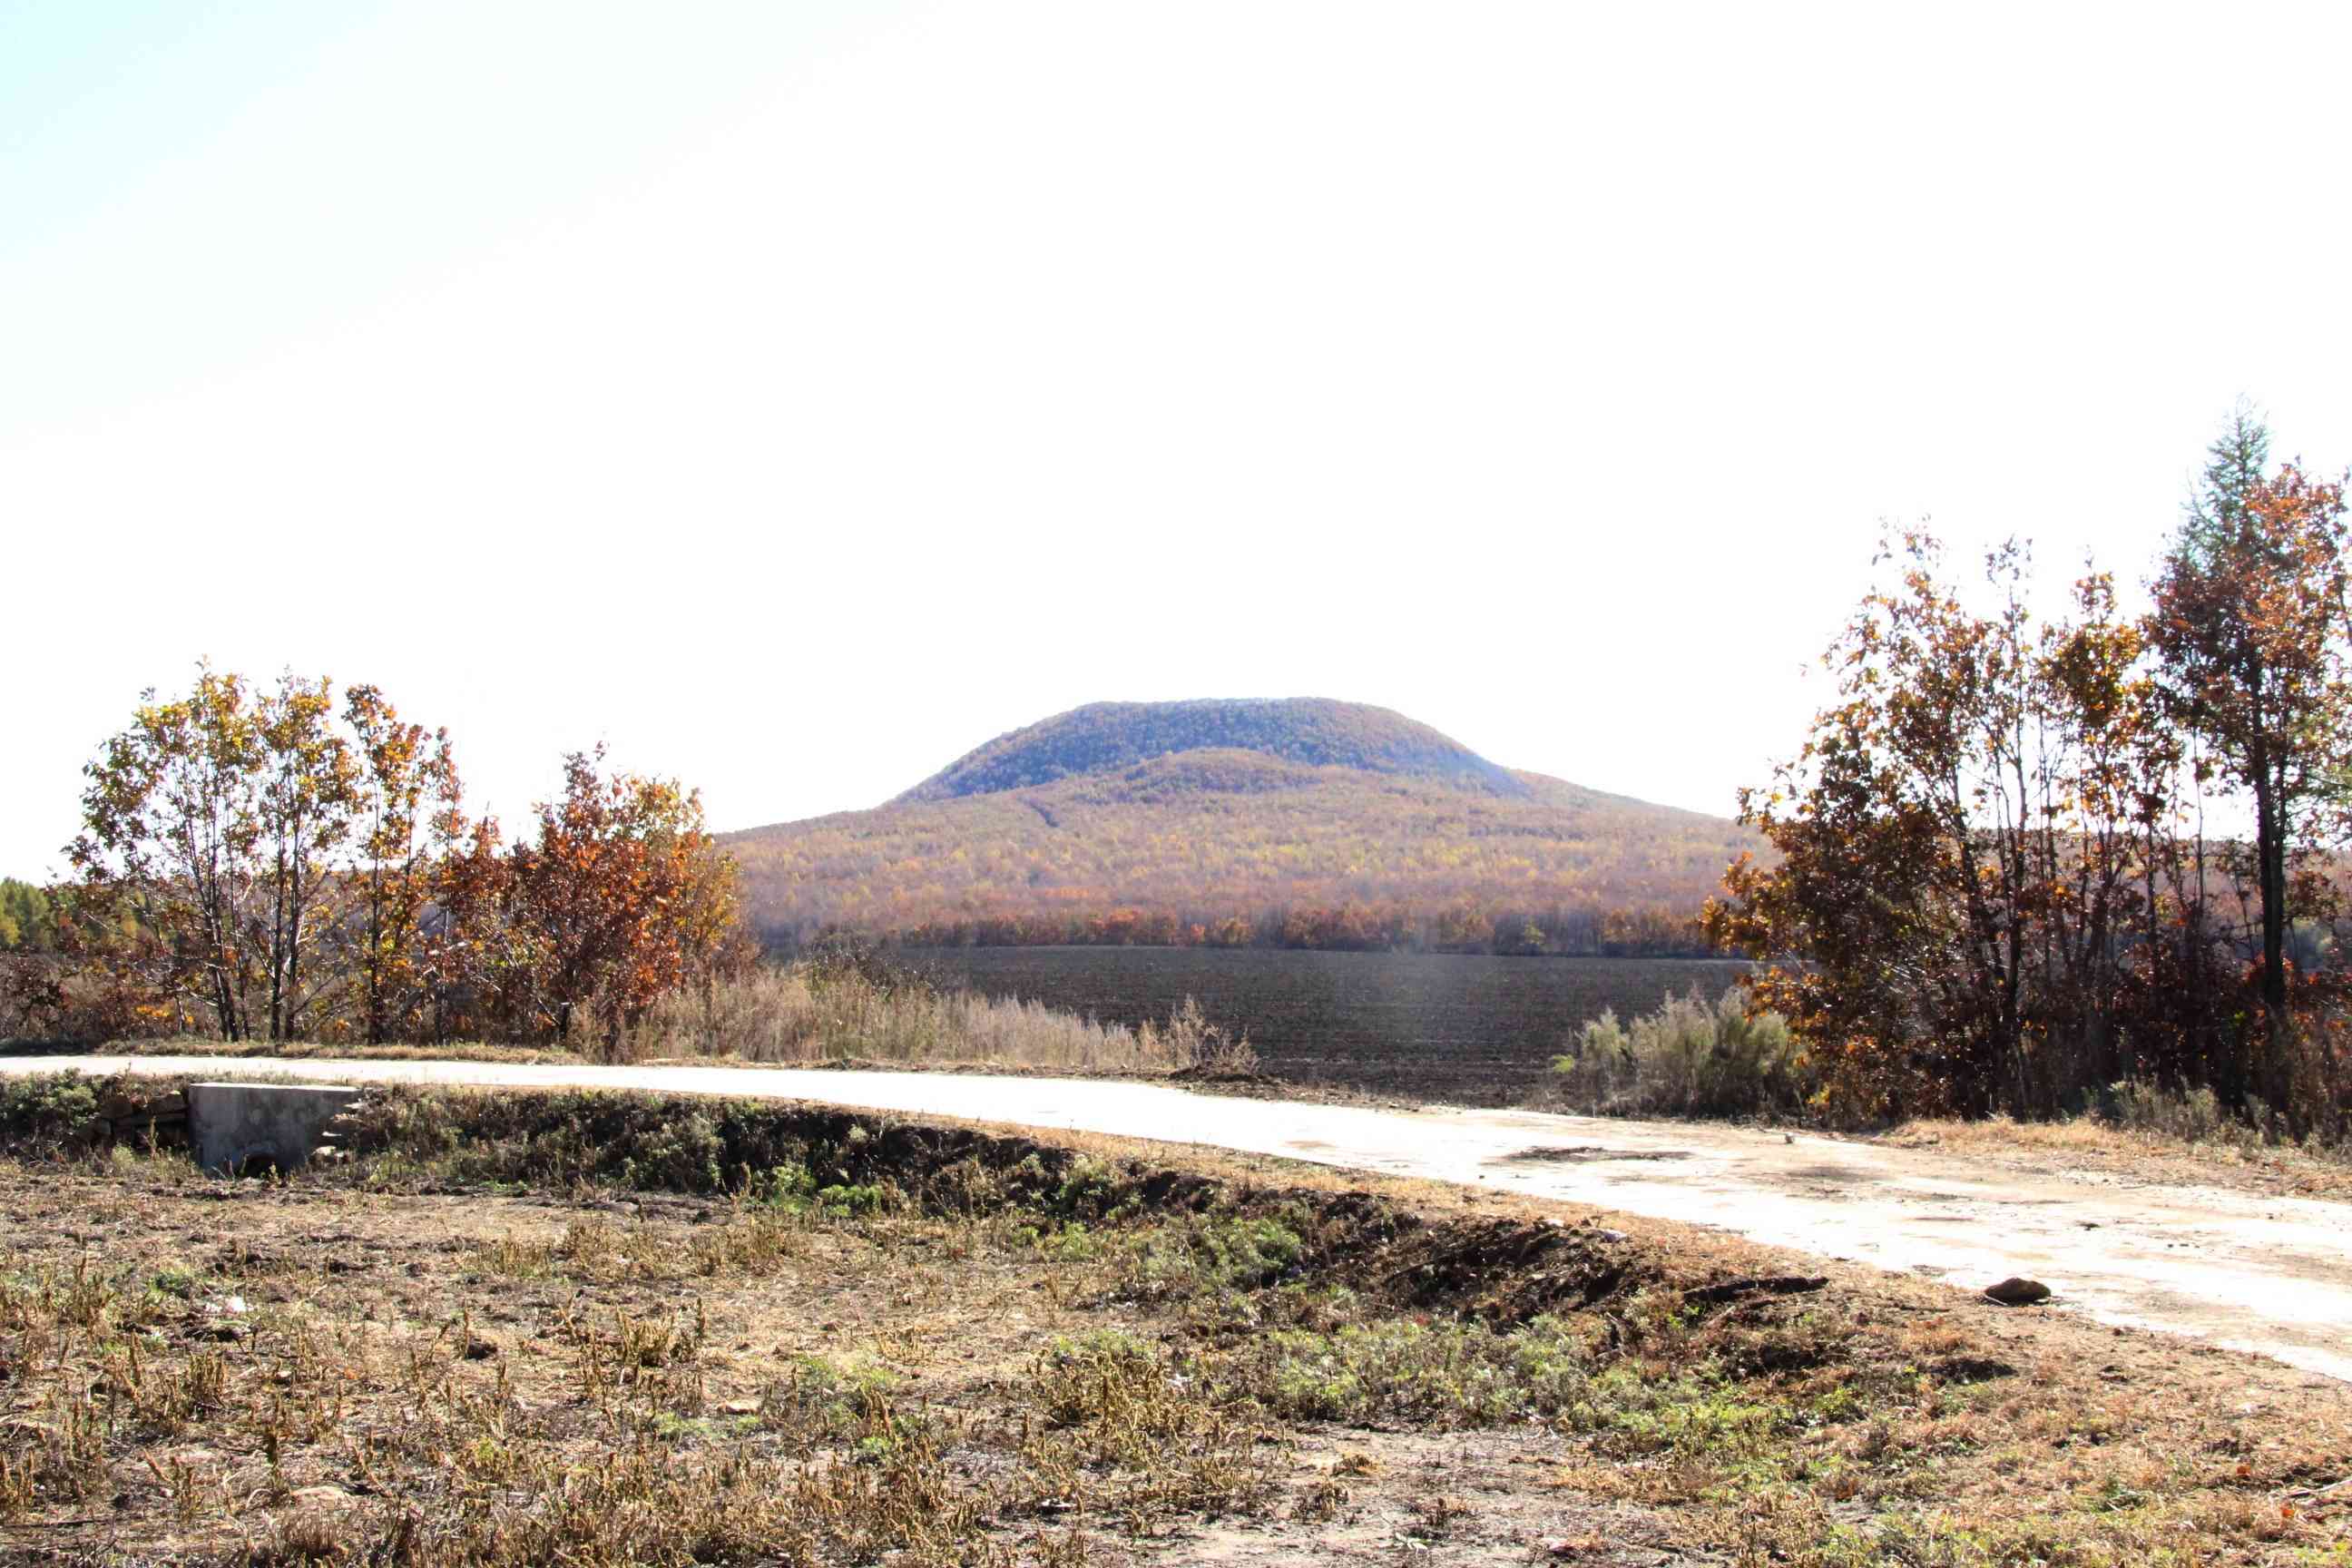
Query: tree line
x=286, y=862
x=2018, y=859
x=27, y=919
x=1351, y=926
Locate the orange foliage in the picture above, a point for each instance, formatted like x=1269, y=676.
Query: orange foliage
x=1232, y=849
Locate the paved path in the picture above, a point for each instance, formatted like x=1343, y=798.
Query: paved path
x=2267, y=1274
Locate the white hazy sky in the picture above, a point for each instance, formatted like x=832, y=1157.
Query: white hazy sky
x=794, y=396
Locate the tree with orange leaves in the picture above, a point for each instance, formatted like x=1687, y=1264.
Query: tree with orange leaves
x=1991, y=887
x=1968, y=848
x=622, y=894
x=408, y=800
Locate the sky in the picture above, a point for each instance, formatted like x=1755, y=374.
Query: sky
x=794, y=396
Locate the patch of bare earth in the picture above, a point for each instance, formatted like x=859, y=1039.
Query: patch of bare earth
x=914, y=1343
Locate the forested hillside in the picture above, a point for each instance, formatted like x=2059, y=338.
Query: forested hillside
x=1105, y=737
x=1302, y=823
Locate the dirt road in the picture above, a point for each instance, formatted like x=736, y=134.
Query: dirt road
x=2266, y=1274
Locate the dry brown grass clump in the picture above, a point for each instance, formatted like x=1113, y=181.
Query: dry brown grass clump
x=2184, y=1152
x=809, y=1015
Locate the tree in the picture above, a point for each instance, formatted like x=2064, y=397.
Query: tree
x=28, y=921
x=172, y=820
x=619, y=894
x=209, y=828
x=307, y=794
x=408, y=804
x=2249, y=631
x=475, y=965
x=1991, y=877
x=274, y=866
x=1960, y=850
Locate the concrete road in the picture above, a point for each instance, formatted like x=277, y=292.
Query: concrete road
x=2267, y=1274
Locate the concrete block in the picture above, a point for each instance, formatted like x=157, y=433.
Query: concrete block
x=244, y=1127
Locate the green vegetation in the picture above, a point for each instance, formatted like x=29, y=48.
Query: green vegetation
x=28, y=918
x=47, y=1112
x=1451, y=1374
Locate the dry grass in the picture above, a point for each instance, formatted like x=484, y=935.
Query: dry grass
x=911, y=1343
x=2236, y=1157
x=345, y=1050
x=1692, y=1056
x=804, y=1016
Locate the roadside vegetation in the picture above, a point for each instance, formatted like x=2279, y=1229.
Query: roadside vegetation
x=845, y=1006
x=261, y=863
x=602, y=1329
x=2018, y=862
x=849, y=1005
x=1720, y=1059
x=1692, y=1056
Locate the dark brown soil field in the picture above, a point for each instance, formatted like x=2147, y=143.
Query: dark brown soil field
x=1469, y=1029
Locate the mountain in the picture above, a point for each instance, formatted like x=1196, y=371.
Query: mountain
x=1309, y=731
x=1302, y=821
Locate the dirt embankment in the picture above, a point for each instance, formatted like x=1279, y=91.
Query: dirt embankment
x=2245, y=1269
x=1498, y=1269
x=611, y=1328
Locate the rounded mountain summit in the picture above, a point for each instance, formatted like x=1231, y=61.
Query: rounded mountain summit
x=1161, y=818
x=1309, y=731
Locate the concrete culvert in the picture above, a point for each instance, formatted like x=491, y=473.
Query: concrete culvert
x=262, y=1129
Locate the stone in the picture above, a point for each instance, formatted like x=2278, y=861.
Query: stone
x=251, y=1129
x=2018, y=1292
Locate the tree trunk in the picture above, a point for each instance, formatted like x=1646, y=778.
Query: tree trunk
x=2270, y=855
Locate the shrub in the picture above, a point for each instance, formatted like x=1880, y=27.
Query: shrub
x=821, y=1399
x=1459, y=1374
x=49, y=1111
x=1687, y=1058
x=843, y=1009
x=2195, y=1115
x=46, y=999
x=1189, y=1043
x=1213, y=1255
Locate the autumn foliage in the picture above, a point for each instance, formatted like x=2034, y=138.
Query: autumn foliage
x=1296, y=823
x=271, y=864
x=2018, y=860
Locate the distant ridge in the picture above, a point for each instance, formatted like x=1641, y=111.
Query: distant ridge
x=1249, y=821
x=1106, y=737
